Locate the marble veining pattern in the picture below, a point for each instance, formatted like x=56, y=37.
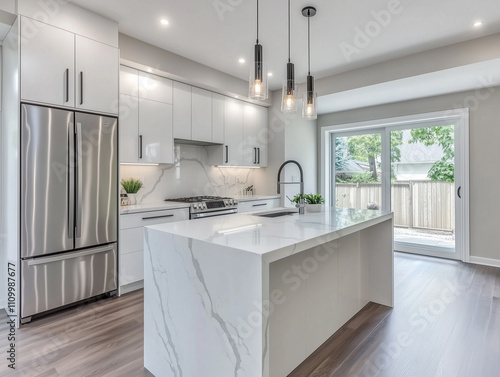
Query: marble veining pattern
x=194, y=303
x=190, y=175
x=207, y=287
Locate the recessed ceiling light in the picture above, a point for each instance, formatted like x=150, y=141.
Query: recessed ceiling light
x=478, y=23
x=269, y=74
x=241, y=60
x=164, y=21
x=149, y=70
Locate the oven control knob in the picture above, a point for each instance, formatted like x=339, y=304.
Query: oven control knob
x=195, y=206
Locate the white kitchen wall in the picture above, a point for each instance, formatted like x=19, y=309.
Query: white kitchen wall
x=190, y=175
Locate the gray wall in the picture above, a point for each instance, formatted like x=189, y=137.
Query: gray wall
x=484, y=155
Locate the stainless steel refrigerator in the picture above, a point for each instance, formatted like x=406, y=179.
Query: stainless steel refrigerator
x=69, y=196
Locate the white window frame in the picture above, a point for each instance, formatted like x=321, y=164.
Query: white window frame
x=458, y=116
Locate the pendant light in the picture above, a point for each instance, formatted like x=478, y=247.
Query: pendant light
x=289, y=93
x=310, y=107
x=258, y=74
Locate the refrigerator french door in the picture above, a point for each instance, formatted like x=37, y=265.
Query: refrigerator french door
x=69, y=196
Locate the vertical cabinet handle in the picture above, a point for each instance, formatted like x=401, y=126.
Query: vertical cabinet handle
x=255, y=155
x=81, y=88
x=258, y=155
x=66, y=99
x=227, y=154
x=459, y=192
x=140, y=146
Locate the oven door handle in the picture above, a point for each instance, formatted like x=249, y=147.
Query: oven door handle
x=214, y=213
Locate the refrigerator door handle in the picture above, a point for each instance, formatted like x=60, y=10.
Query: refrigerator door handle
x=79, y=183
x=71, y=179
x=65, y=256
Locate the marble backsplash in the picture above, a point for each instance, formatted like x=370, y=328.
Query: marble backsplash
x=190, y=175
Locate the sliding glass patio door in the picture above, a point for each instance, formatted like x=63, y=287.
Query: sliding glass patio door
x=415, y=170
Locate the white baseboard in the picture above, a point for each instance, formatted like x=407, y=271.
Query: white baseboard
x=484, y=261
x=131, y=287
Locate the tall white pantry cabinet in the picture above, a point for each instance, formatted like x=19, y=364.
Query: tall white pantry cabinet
x=50, y=63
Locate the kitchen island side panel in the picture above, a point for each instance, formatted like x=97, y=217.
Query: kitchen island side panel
x=202, y=308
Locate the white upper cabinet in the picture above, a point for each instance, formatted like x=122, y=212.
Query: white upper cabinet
x=129, y=129
x=64, y=69
x=217, y=118
x=146, y=129
x=155, y=88
x=201, y=124
x=129, y=81
x=262, y=135
x=182, y=111
x=156, y=144
x=233, y=132
x=245, y=136
x=97, y=69
x=47, y=65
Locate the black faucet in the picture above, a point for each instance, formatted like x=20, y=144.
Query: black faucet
x=301, y=201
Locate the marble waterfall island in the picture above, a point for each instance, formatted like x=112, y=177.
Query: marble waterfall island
x=244, y=295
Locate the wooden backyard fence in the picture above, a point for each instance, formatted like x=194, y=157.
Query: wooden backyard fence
x=416, y=204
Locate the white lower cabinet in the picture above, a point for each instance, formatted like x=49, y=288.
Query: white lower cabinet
x=258, y=205
x=131, y=247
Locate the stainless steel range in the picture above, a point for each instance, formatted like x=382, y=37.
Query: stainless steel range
x=208, y=206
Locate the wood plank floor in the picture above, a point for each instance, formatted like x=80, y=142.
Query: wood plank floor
x=445, y=323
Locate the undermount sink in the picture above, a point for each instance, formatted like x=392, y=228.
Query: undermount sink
x=275, y=214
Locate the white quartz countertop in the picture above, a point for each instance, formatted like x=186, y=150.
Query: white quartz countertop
x=158, y=206
x=277, y=237
x=148, y=207
x=251, y=198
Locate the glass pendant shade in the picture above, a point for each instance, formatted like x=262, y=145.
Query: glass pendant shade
x=310, y=107
x=258, y=77
x=289, y=94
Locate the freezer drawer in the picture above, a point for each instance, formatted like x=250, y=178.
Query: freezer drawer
x=50, y=282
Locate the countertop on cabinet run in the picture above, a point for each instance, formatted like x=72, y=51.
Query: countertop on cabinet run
x=148, y=207
x=275, y=237
x=250, y=198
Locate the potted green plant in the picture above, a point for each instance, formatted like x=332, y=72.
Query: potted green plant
x=131, y=186
x=314, y=202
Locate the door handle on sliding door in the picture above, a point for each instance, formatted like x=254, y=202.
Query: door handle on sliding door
x=79, y=183
x=459, y=192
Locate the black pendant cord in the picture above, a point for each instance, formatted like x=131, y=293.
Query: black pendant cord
x=257, y=21
x=289, y=32
x=308, y=45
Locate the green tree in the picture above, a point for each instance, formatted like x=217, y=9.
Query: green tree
x=442, y=170
x=368, y=148
x=341, y=153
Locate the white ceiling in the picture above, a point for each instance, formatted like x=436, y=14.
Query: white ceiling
x=218, y=32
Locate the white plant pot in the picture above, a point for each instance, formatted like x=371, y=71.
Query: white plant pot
x=314, y=207
x=132, y=199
